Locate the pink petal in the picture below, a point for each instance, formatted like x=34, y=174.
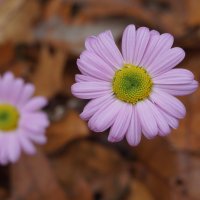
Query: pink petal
x=17, y=89
x=39, y=119
x=90, y=44
x=120, y=126
x=30, y=127
x=95, y=104
x=26, y=144
x=104, y=46
x=38, y=138
x=26, y=94
x=154, y=32
x=172, y=121
x=105, y=117
x=179, y=89
x=14, y=149
x=85, y=78
x=142, y=39
x=92, y=65
x=133, y=135
x=7, y=83
x=153, y=41
x=36, y=103
x=128, y=43
x=174, y=76
x=91, y=90
x=160, y=120
x=168, y=103
x=147, y=119
x=4, y=159
x=166, y=61
x=158, y=45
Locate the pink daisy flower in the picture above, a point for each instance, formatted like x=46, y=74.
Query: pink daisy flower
x=21, y=120
x=133, y=92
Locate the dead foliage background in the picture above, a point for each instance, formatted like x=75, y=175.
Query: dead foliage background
x=40, y=41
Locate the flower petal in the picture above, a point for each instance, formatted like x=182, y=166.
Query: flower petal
x=128, y=43
x=26, y=94
x=160, y=120
x=142, y=39
x=30, y=127
x=92, y=65
x=166, y=61
x=168, y=103
x=35, y=104
x=105, y=117
x=38, y=138
x=104, y=46
x=149, y=51
x=95, y=104
x=26, y=144
x=39, y=119
x=158, y=45
x=90, y=44
x=6, y=85
x=179, y=89
x=174, y=76
x=17, y=89
x=154, y=32
x=85, y=78
x=4, y=150
x=134, y=132
x=172, y=121
x=14, y=149
x=147, y=119
x=120, y=126
x=91, y=90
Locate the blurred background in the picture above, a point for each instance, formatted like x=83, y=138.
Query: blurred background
x=40, y=41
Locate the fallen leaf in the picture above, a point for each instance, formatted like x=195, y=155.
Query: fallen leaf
x=48, y=74
x=187, y=136
x=33, y=178
x=69, y=128
x=98, y=166
x=138, y=191
x=17, y=18
x=7, y=52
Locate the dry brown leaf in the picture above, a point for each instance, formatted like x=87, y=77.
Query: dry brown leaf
x=165, y=14
x=69, y=128
x=33, y=179
x=138, y=191
x=20, y=68
x=187, y=136
x=48, y=75
x=17, y=18
x=182, y=20
x=192, y=176
x=193, y=18
x=3, y=194
x=102, y=168
x=51, y=9
x=161, y=169
x=7, y=53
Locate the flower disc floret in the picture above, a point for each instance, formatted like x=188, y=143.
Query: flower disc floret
x=132, y=84
x=9, y=117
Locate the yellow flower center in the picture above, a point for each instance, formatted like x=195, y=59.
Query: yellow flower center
x=132, y=84
x=9, y=117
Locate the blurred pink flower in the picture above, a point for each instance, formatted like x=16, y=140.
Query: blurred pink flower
x=21, y=120
x=133, y=92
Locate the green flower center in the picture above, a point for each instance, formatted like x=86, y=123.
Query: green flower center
x=9, y=117
x=132, y=84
